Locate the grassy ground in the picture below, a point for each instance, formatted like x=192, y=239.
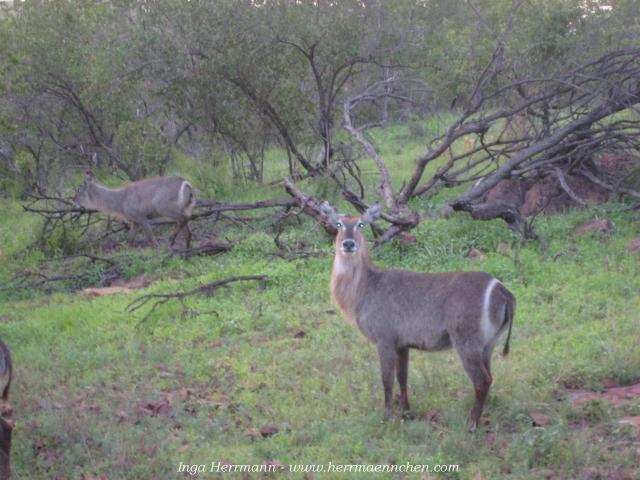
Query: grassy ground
x=97, y=397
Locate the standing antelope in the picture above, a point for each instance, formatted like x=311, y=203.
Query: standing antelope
x=137, y=203
x=398, y=310
x=6, y=424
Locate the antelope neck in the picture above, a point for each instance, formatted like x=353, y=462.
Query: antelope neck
x=348, y=282
x=106, y=195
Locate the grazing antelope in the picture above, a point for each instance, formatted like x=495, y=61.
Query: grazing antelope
x=398, y=310
x=137, y=203
x=6, y=424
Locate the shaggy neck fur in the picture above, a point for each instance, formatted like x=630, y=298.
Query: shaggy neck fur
x=348, y=281
x=106, y=199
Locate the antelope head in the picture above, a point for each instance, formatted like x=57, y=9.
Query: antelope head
x=350, y=241
x=83, y=192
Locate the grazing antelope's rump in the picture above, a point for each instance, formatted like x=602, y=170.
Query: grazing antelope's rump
x=398, y=310
x=6, y=424
x=137, y=203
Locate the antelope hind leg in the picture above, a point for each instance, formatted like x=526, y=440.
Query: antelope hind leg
x=402, y=372
x=476, y=369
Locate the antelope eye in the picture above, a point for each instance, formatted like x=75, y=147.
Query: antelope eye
x=338, y=225
x=360, y=225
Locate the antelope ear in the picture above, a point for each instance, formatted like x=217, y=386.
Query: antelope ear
x=89, y=177
x=329, y=212
x=372, y=213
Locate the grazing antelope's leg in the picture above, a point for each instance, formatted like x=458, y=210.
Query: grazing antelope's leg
x=180, y=226
x=475, y=367
x=137, y=203
x=133, y=230
x=187, y=240
x=146, y=228
x=388, y=359
x=486, y=356
x=402, y=372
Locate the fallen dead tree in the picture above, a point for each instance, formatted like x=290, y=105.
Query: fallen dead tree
x=209, y=248
x=88, y=272
x=555, y=127
x=207, y=289
x=65, y=274
x=61, y=215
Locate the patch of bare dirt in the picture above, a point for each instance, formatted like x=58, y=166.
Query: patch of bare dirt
x=633, y=246
x=635, y=421
x=616, y=396
x=602, y=225
x=119, y=285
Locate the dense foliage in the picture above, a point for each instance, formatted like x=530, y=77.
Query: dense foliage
x=128, y=86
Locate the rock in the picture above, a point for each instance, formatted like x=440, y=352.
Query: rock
x=510, y=191
x=300, y=333
x=547, y=195
x=602, y=225
x=406, y=239
x=617, y=164
x=475, y=255
x=268, y=431
x=541, y=195
x=587, y=190
x=539, y=419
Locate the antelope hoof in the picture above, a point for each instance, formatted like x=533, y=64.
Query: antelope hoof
x=408, y=415
x=472, y=425
x=388, y=416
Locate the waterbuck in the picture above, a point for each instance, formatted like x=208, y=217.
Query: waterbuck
x=136, y=203
x=6, y=424
x=398, y=310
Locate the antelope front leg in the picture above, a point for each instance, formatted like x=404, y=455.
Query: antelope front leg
x=133, y=230
x=187, y=241
x=388, y=360
x=151, y=240
x=179, y=227
x=402, y=372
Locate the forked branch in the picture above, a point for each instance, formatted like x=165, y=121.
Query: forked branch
x=207, y=289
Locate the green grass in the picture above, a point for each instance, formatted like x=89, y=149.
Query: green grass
x=231, y=364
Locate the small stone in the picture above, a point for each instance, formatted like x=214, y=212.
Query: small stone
x=504, y=249
x=539, y=419
x=475, y=255
x=268, y=431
